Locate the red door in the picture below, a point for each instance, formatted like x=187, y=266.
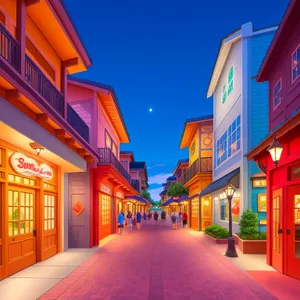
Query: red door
x=277, y=230
x=293, y=232
x=105, y=226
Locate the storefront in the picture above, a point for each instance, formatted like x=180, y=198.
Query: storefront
x=195, y=212
x=29, y=205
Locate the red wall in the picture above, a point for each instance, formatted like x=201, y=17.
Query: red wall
x=290, y=92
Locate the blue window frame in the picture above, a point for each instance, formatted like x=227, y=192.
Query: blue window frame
x=296, y=64
x=277, y=94
x=222, y=148
x=223, y=210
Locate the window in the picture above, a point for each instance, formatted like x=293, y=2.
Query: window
x=109, y=143
x=235, y=209
x=230, y=81
x=234, y=136
x=193, y=148
x=262, y=202
x=224, y=209
x=277, y=94
x=224, y=94
x=259, y=183
x=230, y=142
x=195, y=208
x=114, y=149
x=105, y=209
x=296, y=64
x=49, y=212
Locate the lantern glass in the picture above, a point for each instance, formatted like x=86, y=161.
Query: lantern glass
x=275, y=150
x=229, y=191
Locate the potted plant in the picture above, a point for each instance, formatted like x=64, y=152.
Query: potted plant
x=217, y=234
x=249, y=240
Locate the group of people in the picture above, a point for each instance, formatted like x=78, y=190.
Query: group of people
x=135, y=219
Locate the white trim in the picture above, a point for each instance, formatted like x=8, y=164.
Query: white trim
x=265, y=30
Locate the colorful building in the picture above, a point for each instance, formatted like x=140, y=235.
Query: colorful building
x=240, y=122
x=103, y=189
x=283, y=173
x=170, y=205
x=42, y=138
x=198, y=137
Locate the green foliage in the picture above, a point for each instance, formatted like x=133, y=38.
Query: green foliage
x=249, y=226
x=177, y=190
x=217, y=232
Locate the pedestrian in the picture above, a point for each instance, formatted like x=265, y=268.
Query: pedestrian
x=145, y=216
x=163, y=217
x=179, y=220
x=184, y=219
x=174, y=220
x=120, y=222
x=129, y=221
x=138, y=220
x=149, y=216
x=155, y=218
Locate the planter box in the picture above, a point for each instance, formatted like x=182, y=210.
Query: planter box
x=251, y=246
x=216, y=241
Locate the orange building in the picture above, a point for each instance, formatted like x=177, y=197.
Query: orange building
x=41, y=136
x=197, y=136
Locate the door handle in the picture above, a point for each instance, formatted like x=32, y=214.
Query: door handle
x=280, y=230
x=288, y=231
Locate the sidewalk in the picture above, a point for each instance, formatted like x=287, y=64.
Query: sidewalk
x=158, y=263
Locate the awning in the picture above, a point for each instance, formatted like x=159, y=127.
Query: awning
x=230, y=178
x=193, y=196
x=169, y=201
x=259, y=175
x=138, y=198
x=183, y=198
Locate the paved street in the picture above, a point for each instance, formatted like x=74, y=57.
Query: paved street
x=158, y=263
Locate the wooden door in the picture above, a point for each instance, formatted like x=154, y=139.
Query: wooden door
x=195, y=211
x=104, y=215
x=277, y=230
x=21, y=229
x=50, y=246
x=292, y=232
x=206, y=212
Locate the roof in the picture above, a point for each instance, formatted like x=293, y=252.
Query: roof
x=179, y=163
x=189, y=129
x=290, y=17
x=259, y=175
x=139, y=165
x=226, y=43
x=128, y=153
x=138, y=198
x=164, y=192
x=173, y=177
x=223, y=182
x=110, y=103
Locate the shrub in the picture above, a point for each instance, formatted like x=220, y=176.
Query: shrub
x=217, y=232
x=249, y=225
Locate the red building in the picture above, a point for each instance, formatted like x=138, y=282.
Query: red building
x=281, y=67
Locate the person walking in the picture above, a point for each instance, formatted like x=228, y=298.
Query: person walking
x=129, y=221
x=184, y=219
x=174, y=220
x=155, y=218
x=163, y=217
x=138, y=220
x=145, y=216
x=179, y=220
x=149, y=217
x=121, y=219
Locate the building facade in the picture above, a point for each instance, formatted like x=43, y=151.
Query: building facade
x=42, y=139
x=283, y=179
x=198, y=137
x=240, y=122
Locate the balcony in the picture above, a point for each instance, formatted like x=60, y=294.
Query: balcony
x=107, y=157
x=10, y=51
x=202, y=165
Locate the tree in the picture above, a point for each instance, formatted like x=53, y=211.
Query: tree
x=145, y=194
x=177, y=190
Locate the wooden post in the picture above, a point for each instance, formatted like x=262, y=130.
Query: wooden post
x=21, y=33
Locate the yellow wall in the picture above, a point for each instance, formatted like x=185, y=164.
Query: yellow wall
x=206, y=140
x=193, y=156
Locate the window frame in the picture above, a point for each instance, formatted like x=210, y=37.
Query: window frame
x=298, y=64
x=280, y=94
x=231, y=81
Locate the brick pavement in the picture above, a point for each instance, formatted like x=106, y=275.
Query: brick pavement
x=157, y=263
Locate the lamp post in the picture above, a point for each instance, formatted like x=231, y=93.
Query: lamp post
x=230, y=252
x=275, y=150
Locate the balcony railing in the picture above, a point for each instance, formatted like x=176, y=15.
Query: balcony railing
x=202, y=165
x=43, y=86
x=107, y=157
x=77, y=123
x=10, y=51
x=9, y=48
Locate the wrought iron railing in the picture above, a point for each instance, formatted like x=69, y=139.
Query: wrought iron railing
x=43, y=86
x=9, y=48
x=202, y=165
x=77, y=123
x=107, y=157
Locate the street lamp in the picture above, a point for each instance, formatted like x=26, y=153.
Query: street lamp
x=275, y=150
x=230, y=252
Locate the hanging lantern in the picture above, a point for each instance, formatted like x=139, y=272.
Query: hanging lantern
x=235, y=209
x=275, y=150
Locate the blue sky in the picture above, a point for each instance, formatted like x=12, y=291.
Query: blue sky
x=159, y=54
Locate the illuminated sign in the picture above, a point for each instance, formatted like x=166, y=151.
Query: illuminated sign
x=106, y=189
x=120, y=195
x=27, y=166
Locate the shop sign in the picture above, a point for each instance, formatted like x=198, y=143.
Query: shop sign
x=120, y=195
x=78, y=208
x=105, y=189
x=295, y=172
x=27, y=166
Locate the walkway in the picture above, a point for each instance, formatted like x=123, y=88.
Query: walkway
x=158, y=263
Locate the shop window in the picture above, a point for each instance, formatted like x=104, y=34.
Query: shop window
x=235, y=209
x=40, y=58
x=276, y=224
x=20, y=212
x=49, y=186
x=105, y=209
x=277, y=94
x=296, y=64
x=195, y=208
x=49, y=212
x=259, y=183
x=262, y=202
x=21, y=180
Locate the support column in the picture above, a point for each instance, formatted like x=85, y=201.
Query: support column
x=21, y=33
